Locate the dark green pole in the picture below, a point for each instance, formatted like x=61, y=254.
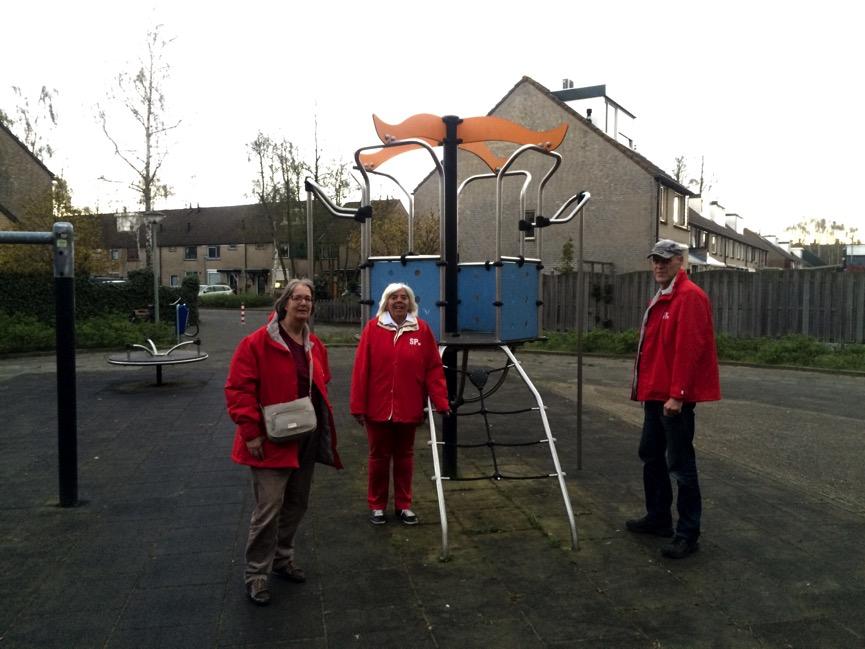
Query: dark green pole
x=67, y=413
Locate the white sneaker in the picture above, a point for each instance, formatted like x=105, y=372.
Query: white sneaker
x=376, y=517
x=406, y=516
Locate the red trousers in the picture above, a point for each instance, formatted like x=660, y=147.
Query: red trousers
x=389, y=441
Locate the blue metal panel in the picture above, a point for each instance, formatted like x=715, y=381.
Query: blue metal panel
x=477, y=289
x=421, y=274
x=519, y=298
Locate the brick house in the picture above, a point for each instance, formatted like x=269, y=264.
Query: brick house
x=25, y=182
x=234, y=245
x=634, y=202
x=714, y=245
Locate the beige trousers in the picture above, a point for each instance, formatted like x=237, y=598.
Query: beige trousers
x=281, y=499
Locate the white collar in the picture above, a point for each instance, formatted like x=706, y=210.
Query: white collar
x=386, y=320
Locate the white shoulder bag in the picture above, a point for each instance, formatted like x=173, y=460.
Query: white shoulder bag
x=290, y=420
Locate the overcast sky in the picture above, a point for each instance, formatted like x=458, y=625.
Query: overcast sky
x=769, y=92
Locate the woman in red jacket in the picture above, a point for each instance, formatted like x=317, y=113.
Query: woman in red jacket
x=397, y=364
x=272, y=365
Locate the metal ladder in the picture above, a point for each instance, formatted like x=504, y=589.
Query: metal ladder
x=549, y=440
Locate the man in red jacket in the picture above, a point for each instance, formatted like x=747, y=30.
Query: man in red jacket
x=676, y=367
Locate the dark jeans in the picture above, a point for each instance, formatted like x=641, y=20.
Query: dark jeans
x=667, y=447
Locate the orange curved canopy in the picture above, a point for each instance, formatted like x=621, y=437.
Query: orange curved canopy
x=473, y=133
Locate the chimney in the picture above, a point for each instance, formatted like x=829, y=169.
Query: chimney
x=589, y=115
x=567, y=84
x=733, y=221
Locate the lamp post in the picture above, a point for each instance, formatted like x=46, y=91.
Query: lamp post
x=153, y=219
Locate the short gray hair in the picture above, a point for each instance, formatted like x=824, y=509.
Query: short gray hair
x=389, y=290
x=279, y=305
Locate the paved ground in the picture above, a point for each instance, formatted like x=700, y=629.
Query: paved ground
x=152, y=557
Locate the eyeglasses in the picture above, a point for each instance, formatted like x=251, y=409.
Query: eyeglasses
x=300, y=298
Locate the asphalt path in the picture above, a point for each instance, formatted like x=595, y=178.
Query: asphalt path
x=804, y=428
x=152, y=557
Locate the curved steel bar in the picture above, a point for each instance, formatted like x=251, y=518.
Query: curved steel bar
x=558, y=161
x=471, y=179
x=437, y=473
x=410, y=199
x=366, y=236
x=501, y=173
x=551, y=440
x=582, y=198
x=333, y=208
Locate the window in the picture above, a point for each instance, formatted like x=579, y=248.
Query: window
x=190, y=252
x=191, y=273
x=115, y=254
x=174, y=281
x=213, y=252
x=680, y=217
x=662, y=204
x=713, y=244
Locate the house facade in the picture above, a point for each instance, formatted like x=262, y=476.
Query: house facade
x=633, y=202
x=25, y=182
x=713, y=245
x=234, y=245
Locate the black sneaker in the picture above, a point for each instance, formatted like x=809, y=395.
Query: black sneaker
x=406, y=516
x=645, y=525
x=680, y=548
x=376, y=517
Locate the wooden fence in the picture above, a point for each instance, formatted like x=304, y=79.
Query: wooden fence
x=826, y=304
x=337, y=311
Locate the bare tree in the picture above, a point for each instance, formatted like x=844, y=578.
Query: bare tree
x=142, y=96
x=33, y=123
x=680, y=169
x=266, y=187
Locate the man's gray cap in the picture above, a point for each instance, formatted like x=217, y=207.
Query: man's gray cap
x=667, y=248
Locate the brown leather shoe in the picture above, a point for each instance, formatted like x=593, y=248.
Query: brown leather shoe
x=257, y=592
x=291, y=572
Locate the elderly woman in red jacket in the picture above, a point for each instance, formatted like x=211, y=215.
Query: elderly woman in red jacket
x=272, y=365
x=396, y=366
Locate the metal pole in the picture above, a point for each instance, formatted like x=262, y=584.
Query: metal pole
x=580, y=309
x=63, y=241
x=155, y=255
x=310, y=257
x=450, y=258
x=67, y=416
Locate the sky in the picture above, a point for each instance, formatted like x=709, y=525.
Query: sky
x=765, y=92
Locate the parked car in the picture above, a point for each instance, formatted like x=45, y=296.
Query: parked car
x=215, y=289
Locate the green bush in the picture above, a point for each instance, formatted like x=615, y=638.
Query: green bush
x=21, y=333
x=33, y=293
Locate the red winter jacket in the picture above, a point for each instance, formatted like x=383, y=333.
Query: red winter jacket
x=262, y=372
x=393, y=374
x=677, y=356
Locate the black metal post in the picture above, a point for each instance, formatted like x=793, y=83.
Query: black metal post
x=67, y=414
x=451, y=259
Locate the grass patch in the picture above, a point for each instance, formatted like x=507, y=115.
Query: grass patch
x=795, y=351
